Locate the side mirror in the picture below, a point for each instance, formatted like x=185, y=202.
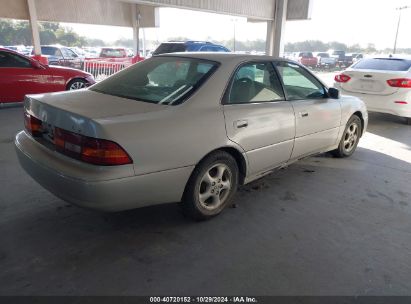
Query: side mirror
x=334, y=93
x=37, y=65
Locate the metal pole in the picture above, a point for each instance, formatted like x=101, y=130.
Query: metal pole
x=398, y=26
x=34, y=27
x=136, y=29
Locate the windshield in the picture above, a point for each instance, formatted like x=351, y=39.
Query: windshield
x=159, y=80
x=383, y=64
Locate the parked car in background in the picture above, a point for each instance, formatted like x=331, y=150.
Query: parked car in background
x=189, y=46
x=325, y=60
x=343, y=59
x=117, y=54
x=305, y=58
x=92, y=52
x=21, y=75
x=384, y=84
x=130, y=52
x=17, y=48
x=187, y=128
x=60, y=55
x=356, y=57
x=79, y=51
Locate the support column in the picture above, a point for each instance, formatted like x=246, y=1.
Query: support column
x=34, y=27
x=275, y=29
x=136, y=29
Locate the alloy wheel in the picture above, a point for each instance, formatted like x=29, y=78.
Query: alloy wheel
x=215, y=186
x=351, y=137
x=77, y=85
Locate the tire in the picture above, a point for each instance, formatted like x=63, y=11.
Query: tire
x=76, y=84
x=351, y=137
x=211, y=187
x=408, y=121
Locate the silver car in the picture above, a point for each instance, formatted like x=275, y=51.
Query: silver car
x=183, y=127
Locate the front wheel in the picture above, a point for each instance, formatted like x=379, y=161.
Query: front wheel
x=211, y=187
x=350, y=138
x=76, y=84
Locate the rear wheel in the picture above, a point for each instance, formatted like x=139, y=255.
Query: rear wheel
x=350, y=138
x=408, y=121
x=76, y=84
x=211, y=187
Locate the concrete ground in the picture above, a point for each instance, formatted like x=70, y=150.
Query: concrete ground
x=323, y=226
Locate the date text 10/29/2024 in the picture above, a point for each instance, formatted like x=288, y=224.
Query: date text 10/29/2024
x=203, y=300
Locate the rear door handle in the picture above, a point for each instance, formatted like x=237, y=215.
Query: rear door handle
x=304, y=114
x=239, y=124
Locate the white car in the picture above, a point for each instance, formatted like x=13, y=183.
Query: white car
x=186, y=127
x=384, y=84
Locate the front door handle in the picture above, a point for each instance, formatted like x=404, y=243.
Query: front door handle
x=303, y=114
x=239, y=124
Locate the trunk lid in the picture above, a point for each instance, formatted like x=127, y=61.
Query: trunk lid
x=371, y=81
x=84, y=111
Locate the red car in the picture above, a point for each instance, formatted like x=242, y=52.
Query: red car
x=21, y=75
x=307, y=59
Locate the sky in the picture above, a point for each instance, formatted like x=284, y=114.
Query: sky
x=347, y=21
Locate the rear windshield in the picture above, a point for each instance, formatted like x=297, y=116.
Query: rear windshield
x=113, y=53
x=383, y=64
x=324, y=55
x=159, y=80
x=166, y=48
x=306, y=55
x=50, y=51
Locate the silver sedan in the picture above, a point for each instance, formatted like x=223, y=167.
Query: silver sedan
x=183, y=127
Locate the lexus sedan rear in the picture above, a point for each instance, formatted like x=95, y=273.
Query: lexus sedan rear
x=186, y=127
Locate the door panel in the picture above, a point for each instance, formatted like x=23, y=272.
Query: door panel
x=269, y=135
x=318, y=117
x=258, y=118
x=31, y=81
x=19, y=77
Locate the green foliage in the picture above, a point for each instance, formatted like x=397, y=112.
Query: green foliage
x=19, y=32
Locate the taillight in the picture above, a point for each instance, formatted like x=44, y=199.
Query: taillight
x=399, y=83
x=401, y=102
x=32, y=124
x=90, y=150
x=342, y=78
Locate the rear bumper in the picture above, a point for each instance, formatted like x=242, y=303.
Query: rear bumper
x=385, y=104
x=106, y=195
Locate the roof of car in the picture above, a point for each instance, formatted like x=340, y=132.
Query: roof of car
x=217, y=56
x=190, y=42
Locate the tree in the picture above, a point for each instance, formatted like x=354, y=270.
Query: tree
x=355, y=48
x=335, y=45
x=370, y=48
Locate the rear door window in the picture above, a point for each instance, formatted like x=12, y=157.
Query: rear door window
x=383, y=64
